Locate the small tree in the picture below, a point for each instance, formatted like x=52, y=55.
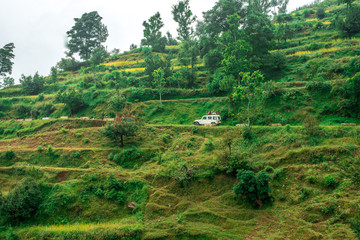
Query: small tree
x=159, y=81
x=250, y=93
x=54, y=74
x=124, y=126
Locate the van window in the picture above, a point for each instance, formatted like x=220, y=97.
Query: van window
x=215, y=118
x=209, y=117
x=204, y=118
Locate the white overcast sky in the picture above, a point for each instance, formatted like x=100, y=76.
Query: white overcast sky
x=38, y=27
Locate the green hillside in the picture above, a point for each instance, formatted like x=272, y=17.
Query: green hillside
x=65, y=178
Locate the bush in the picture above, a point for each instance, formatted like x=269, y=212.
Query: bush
x=318, y=87
x=130, y=157
x=311, y=126
x=209, y=146
x=307, y=13
x=22, y=111
x=320, y=14
x=32, y=85
x=247, y=133
x=329, y=181
x=86, y=140
x=255, y=188
x=73, y=100
x=9, y=155
x=278, y=60
x=21, y=203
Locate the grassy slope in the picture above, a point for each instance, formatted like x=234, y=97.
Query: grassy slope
x=206, y=209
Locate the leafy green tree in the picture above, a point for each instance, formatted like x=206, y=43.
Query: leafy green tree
x=211, y=28
x=152, y=34
x=73, y=100
x=171, y=41
x=99, y=56
x=255, y=188
x=6, y=59
x=236, y=51
x=21, y=203
x=87, y=35
x=350, y=24
x=259, y=29
x=249, y=94
x=8, y=82
x=117, y=102
x=32, y=85
x=159, y=81
x=69, y=64
x=125, y=127
x=183, y=15
x=54, y=74
x=348, y=3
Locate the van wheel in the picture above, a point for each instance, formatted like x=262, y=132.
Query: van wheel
x=213, y=123
x=196, y=123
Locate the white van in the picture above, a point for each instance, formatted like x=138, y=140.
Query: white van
x=208, y=119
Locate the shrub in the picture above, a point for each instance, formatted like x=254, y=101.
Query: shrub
x=40, y=148
x=278, y=60
x=329, y=181
x=307, y=13
x=194, y=130
x=22, y=111
x=311, y=125
x=184, y=175
x=73, y=100
x=305, y=193
x=22, y=202
x=9, y=155
x=209, y=146
x=166, y=138
x=111, y=156
x=130, y=157
x=320, y=14
x=64, y=130
x=86, y=140
x=255, y=188
x=319, y=87
x=32, y=85
x=247, y=133
x=40, y=97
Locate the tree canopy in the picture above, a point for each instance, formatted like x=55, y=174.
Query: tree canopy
x=6, y=59
x=152, y=34
x=87, y=35
x=183, y=15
